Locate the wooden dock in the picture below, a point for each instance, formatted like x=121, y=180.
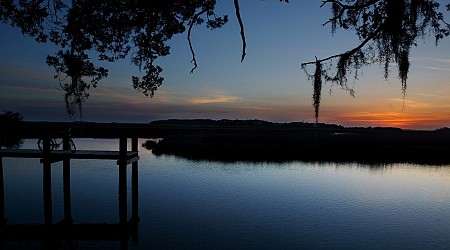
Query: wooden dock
x=123, y=157
x=59, y=155
x=61, y=231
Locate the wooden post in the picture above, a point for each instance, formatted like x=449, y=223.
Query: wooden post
x=66, y=186
x=2, y=188
x=47, y=182
x=123, y=180
x=1, y=137
x=2, y=195
x=134, y=184
x=123, y=243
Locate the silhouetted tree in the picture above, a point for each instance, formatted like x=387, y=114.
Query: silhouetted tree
x=10, y=119
x=387, y=30
x=110, y=28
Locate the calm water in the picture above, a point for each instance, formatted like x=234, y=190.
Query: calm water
x=186, y=204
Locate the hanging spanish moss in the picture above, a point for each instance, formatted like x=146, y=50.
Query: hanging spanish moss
x=317, y=90
x=403, y=69
x=387, y=31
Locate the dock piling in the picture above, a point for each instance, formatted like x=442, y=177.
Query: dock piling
x=134, y=184
x=2, y=195
x=122, y=180
x=66, y=186
x=47, y=182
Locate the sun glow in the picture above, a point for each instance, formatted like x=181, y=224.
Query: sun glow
x=398, y=119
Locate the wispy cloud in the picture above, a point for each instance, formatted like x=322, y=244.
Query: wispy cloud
x=431, y=68
x=27, y=73
x=214, y=99
x=259, y=108
x=410, y=103
x=433, y=59
x=432, y=95
x=29, y=88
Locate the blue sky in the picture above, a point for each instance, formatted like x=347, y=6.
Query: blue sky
x=268, y=85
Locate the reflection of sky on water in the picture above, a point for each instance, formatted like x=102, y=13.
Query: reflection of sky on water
x=271, y=205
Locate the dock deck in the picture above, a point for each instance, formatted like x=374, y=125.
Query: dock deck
x=68, y=231
x=57, y=155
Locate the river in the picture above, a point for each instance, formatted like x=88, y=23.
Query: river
x=186, y=204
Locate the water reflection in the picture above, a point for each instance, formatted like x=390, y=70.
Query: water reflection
x=257, y=166
x=205, y=204
x=299, y=204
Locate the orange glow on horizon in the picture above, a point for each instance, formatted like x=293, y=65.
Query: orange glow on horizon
x=396, y=119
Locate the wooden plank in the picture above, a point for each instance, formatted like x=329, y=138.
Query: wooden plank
x=51, y=160
x=128, y=160
x=61, y=154
x=21, y=153
x=2, y=195
x=67, y=231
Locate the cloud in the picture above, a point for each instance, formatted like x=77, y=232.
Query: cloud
x=21, y=73
x=432, y=68
x=433, y=59
x=26, y=93
x=441, y=62
x=432, y=95
x=214, y=99
x=408, y=103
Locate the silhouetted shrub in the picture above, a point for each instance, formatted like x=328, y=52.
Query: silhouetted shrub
x=9, y=136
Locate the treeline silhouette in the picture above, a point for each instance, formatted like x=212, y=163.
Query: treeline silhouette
x=257, y=140
x=246, y=123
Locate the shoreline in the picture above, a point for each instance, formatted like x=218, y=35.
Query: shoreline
x=255, y=140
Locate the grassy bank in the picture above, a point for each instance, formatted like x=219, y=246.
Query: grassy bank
x=305, y=142
x=365, y=146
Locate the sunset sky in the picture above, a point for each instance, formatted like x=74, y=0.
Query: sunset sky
x=268, y=85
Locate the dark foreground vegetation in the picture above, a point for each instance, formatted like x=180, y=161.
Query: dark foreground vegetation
x=265, y=141
x=255, y=140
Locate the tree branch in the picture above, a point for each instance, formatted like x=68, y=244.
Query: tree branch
x=238, y=15
x=191, y=24
x=345, y=7
x=349, y=7
x=349, y=52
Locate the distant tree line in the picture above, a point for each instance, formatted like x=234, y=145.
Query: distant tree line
x=243, y=123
